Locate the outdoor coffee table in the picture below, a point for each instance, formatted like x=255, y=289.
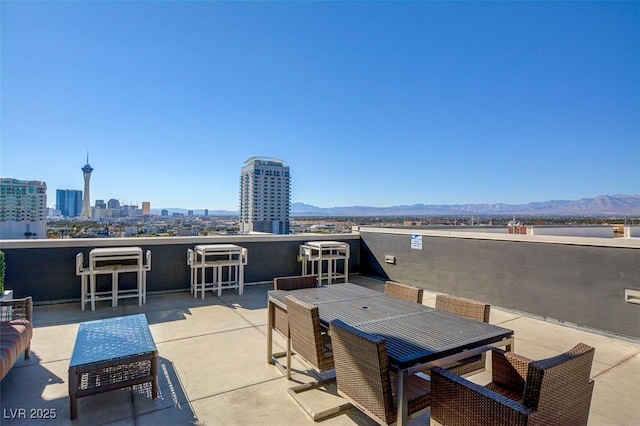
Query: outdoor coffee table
x=112, y=354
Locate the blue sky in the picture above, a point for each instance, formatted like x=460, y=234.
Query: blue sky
x=369, y=103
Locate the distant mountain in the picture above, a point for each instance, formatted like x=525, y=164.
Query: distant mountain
x=603, y=205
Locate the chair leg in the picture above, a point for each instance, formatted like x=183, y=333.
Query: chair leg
x=315, y=416
x=286, y=368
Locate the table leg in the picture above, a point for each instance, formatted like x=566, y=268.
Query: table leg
x=403, y=409
x=270, y=317
x=288, y=356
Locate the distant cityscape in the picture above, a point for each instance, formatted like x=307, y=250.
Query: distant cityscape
x=265, y=207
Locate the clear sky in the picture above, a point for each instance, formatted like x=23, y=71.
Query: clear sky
x=369, y=103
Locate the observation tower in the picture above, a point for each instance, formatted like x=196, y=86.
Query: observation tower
x=86, y=200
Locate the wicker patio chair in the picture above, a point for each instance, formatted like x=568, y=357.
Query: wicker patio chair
x=522, y=392
x=403, y=291
x=16, y=331
x=314, y=346
x=364, y=377
x=472, y=310
x=280, y=320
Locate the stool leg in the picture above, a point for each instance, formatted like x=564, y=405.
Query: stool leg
x=93, y=291
x=83, y=291
x=114, y=289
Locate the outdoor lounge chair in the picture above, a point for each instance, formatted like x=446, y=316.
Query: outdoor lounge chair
x=469, y=309
x=314, y=346
x=281, y=321
x=403, y=291
x=16, y=331
x=522, y=392
x=364, y=377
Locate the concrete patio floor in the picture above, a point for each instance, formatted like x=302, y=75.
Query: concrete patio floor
x=213, y=367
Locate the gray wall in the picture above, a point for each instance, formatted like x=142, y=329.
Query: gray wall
x=45, y=269
x=580, y=284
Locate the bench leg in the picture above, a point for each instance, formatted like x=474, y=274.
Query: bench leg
x=73, y=396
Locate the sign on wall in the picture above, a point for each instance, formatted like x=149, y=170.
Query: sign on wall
x=416, y=241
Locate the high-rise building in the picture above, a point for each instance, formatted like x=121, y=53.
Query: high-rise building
x=146, y=208
x=23, y=209
x=86, y=202
x=265, y=196
x=69, y=202
x=113, y=204
x=100, y=204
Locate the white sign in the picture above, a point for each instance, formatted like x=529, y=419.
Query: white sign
x=416, y=241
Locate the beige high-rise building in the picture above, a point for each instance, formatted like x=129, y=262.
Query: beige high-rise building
x=265, y=196
x=23, y=209
x=146, y=208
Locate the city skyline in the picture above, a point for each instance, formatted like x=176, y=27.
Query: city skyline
x=369, y=103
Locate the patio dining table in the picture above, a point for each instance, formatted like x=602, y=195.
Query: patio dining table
x=418, y=337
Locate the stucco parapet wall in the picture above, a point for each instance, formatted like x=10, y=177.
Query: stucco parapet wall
x=163, y=241
x=548, y=239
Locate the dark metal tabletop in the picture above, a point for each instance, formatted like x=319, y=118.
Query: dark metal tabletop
x=111, y=339
x=415, y=333
x=431, y=335
x=326, y=294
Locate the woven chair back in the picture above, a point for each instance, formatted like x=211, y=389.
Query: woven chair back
x=362, y=370
x=403, y=291
x=463, y=307
x=281, y=321
x=306, y=333
x=559, y=388
x=295, y=282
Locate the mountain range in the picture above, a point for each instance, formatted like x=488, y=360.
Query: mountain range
x=603, y=205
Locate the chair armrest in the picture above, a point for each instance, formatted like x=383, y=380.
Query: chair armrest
x=456, y=400
x=16, y=309
x=509, y=370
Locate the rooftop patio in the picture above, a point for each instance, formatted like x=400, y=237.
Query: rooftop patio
x=213, y=368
